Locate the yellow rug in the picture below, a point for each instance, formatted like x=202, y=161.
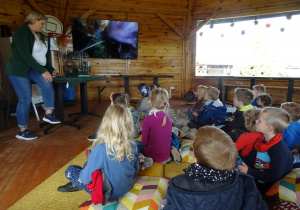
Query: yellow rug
x=46, y=196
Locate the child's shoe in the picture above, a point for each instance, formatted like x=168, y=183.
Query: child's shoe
x=148, y=162
x=92, y=137
x=176, y=155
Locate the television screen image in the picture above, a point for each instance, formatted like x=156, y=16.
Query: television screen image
x=105, y=38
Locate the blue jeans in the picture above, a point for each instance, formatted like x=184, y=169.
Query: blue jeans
x=23, y=88
x=72, y=174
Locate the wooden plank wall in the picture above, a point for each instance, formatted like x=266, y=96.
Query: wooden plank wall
x=166, y=33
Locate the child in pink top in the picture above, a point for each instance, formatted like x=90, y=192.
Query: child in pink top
x=245, y=142
x=157, y=127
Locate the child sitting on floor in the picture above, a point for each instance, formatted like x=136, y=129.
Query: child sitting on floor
x=114, y=154
x=211, y=182
x=291, y=135
x=257, y=89
x=242, y=100
x=264, y=100
x=214, y=111
x=157, y=129
x=123, y=99
x=271, y=159
x=143, y=106
x=245, y=142
x=199, y=105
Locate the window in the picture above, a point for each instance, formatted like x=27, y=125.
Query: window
x=252, y=46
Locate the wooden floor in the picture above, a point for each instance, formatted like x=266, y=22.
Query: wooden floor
x=26, y=164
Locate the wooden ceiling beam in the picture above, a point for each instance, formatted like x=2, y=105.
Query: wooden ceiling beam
x=204, y=22
x=171, y=25
x=67, y=9
x=88, y=13
x=35, y=6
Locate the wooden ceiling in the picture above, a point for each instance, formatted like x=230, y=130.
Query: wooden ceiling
x=13, y=12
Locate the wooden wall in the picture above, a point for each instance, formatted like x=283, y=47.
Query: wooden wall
x=166, y=33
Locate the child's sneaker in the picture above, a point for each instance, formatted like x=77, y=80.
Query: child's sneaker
x=50, y=118
x=92, y=137
x=176, y=155
x=148, y=162
x=25, y=135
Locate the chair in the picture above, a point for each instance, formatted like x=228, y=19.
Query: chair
x=37, y=99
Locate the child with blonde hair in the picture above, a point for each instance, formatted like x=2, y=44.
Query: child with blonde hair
x=264, y=100
x=157, y=129
x=271, y=159
x=257, y=89
x=199, y=105
x=210, y=182
x=214, y=111
x=113, y=150
x=291, y=135
x=245, y=142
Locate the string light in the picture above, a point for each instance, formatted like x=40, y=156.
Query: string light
x=211, y=26
x=255, y=22
x=232, y=23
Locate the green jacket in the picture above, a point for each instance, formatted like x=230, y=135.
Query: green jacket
x=20, y=58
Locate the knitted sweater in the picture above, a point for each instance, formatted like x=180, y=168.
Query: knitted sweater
x=21, y=58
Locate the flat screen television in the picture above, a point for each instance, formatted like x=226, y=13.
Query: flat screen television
x=105, y=38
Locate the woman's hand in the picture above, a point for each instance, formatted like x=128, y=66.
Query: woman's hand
x=48, y=77
x=55, y=73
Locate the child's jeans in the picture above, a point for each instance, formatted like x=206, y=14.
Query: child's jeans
x=72, y=174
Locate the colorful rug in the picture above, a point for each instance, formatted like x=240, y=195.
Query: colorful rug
x=46, y=196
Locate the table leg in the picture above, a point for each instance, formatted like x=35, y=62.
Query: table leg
x=83, y=103
x=126, y=83
x=252, y=83
x=289, y=97
x=59, y=110
x=155, y=81
x=220, y=87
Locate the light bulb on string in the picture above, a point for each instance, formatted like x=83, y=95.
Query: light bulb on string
x=211, y=26
x=255, y=22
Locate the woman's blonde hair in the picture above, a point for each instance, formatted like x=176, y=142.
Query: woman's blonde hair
x=251, y=115
x=116, y=130
x=159, y=99
x=35, y=15
x=200, y=91
x=214, y=149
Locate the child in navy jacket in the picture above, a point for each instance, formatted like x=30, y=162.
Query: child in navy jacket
x=271, y=158
x=211, y=182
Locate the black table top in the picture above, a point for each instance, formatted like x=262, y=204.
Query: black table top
x=141, y=76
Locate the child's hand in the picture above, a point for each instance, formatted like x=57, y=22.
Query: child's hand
x=195, y=114
x=294, y=151
x=243, y=168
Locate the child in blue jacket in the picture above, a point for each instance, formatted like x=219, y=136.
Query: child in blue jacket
x=214, y=111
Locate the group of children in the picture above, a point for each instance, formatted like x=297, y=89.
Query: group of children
x=262, y=136
x=115, y=157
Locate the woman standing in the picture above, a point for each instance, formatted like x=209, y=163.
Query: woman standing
x=28, y=63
